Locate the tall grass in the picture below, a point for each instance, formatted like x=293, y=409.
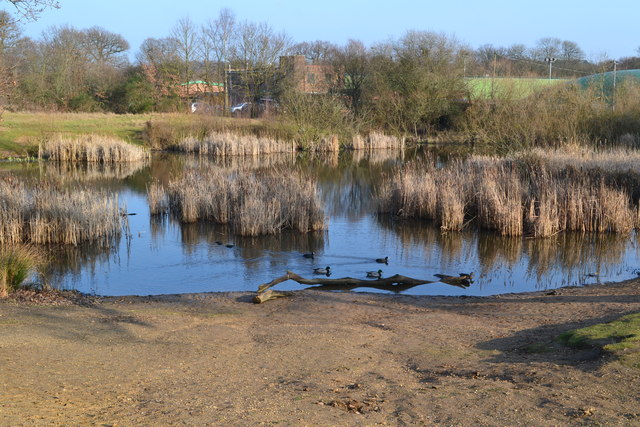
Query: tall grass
x=91, y=149
x=46, y=214
x=513, y=196
x=375, y=140
x=231, y=144
x=253, y=203
x=17, y=262
x=560, y=115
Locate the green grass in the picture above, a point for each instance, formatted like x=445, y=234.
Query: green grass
x=505, y=87
x=21, y=132
x=620, y=337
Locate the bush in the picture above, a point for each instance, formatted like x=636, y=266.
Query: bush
x=16, y=264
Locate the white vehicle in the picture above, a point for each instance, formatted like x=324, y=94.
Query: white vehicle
x=240, y=107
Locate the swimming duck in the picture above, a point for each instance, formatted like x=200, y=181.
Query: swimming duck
x=376, y=274
x=322, y=270
x=309, y=255
x=229, y=245
x=218, y=242
x=384, y=260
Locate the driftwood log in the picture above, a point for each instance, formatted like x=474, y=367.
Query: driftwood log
x=396, y=283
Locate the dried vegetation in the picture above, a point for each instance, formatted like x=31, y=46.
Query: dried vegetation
x=47, y=214
x=91, y=149
x=538, y=194
x=253, y=203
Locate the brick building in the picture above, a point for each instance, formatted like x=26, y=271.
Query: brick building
x=308, y=78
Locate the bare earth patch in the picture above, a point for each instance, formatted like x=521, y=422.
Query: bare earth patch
x=316, y=358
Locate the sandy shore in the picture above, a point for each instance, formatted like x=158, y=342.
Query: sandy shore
x=317, y=359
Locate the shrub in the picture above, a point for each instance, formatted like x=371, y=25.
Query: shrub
x=16, y=264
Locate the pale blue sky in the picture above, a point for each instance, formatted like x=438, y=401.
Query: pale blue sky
x=599, y=27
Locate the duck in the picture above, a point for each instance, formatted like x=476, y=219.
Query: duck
x=384, y=260
x=218, y=242
x=319, y=270
x=309, y=255
x=229, y=245
x=376, y=274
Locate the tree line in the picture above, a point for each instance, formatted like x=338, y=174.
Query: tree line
x=405, y=82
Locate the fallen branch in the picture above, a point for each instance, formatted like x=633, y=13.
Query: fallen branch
x=269, y=295
x=396, y=283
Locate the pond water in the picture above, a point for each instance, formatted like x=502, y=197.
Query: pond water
x=162, y=256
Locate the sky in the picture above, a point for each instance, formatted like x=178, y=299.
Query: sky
x=601, y=29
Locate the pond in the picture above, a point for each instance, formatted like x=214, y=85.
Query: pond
x=162, y=256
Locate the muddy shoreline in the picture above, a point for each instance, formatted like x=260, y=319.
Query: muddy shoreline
x=316, y=358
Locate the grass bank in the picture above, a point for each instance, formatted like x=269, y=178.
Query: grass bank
x=620, y=338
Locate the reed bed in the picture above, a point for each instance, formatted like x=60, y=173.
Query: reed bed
x=91, y=149
x=252, y=203
x=46, y=214
x=222, y=144
x=376, y=141
x=511, y=197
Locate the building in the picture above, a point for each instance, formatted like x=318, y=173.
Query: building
x=308, y=78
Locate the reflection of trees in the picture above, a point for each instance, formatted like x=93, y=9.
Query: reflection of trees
x=250, y=249
x=568, y=251
x=412, y=233
x=67, y=260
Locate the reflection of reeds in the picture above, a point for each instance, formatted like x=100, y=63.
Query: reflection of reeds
x=74, y=172
x=45, y=214
x=511, y=196
x=91, y=149
x=221, y=144
x=253, y=203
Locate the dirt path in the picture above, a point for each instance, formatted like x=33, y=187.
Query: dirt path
x=317, y=358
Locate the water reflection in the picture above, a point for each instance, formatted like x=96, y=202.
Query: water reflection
x=164, y=256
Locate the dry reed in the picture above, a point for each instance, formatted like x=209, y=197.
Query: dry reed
x=91, y=149
x=222, y=144
x=252, y=203
x=375, y=141
x=46, y=214
x=511, y=196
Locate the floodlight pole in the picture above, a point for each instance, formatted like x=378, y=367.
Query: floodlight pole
x=550, y=61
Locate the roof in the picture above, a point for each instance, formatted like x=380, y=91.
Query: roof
x=201, y=82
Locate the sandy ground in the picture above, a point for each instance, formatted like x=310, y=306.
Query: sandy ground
x=316, y=359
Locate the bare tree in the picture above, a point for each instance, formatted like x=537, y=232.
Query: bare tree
x=103, y=46
x=219, y=35
x=570, y=51
x=217, y=41
x=319, y=51
x=257, y=51
x=31, y=9
x=353, y=63
x=10, y=33
x=547, y=47
x=185, y=34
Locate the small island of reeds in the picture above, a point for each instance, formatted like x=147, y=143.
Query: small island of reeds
x=253, y=203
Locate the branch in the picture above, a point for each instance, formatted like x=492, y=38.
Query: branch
x=396, y=283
